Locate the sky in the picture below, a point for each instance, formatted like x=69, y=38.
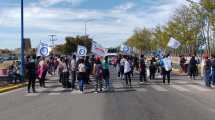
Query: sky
x=109, y=22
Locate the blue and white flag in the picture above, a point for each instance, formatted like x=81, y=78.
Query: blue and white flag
x=173, y=43
x=81, y=50
x=125, y=49
x=43, y=50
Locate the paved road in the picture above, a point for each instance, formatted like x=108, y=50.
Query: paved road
x=182, y=100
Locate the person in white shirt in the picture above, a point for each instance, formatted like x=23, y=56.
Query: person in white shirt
x=73, y=67
x=127, y=72
x=81, y=74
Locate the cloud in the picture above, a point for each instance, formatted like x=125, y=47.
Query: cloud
x=124, y=7
x=108, y=26
x=54, y=2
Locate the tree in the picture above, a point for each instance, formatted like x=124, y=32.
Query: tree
x=141, y=39
x=71, y=44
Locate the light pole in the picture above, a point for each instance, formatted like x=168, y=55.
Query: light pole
x=53, y=40
x=22, y=55
x=85, y=26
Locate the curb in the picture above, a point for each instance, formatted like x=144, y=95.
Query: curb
x=12, y=87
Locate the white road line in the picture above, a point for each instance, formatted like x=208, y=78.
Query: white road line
x=182, y=82
x=199, y=88
x=56, y=91
x=32, y=94
x=76, y=92
x=141, y=90
x=159, y=88
x=41, y=89
x=180, y=88
x=118, y=85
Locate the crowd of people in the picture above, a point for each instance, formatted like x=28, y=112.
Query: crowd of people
x=70, y=70
x=197, y=66
x=73, y=69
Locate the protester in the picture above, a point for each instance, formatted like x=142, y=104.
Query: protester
x=98, y=72
x=213, y=69
x=88, y=69
x=73, y=67
x=142, y=68
x=42, y=71
x=166, y=64
x=193, y=68
x=127, y=72
x=31, y=72
x=207, y=71
x=106, y=73
x=81, y=74
x=152, y=68
x=65, y=74
x=12, y=73
x=121, y=67
x=182, y=63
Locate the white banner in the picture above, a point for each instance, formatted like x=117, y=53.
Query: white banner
x=43, y=50
x=173, y=43
x=98, y=49
x=81, y=50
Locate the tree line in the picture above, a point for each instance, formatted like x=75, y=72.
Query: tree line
x=193, y=25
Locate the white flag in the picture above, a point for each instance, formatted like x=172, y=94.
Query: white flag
x=173, y=43
x=98, y=49
x=81, y=50
x=43, y=50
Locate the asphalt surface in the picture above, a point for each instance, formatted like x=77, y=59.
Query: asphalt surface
x=183, y=99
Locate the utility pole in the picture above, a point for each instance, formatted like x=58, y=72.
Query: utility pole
x=22, y=51
x=53, y=40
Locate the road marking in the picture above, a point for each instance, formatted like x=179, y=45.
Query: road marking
x=76, y=92
x=41, y=89
x=57, y=91
x=182, y=82
x=196, y=87
x=32, y=94
x=141, y=89
x=159, y=88
x=118, y=85
x=179, y=88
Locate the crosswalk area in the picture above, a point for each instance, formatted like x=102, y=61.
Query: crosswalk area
x=55, y=89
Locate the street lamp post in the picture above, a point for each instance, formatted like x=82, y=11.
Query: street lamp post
x=85, y=26
x=52, y=39
x=22, y=55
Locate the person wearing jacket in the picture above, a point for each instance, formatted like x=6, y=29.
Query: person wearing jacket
x=166, y=64
x=31, y=72
x=193, y=68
